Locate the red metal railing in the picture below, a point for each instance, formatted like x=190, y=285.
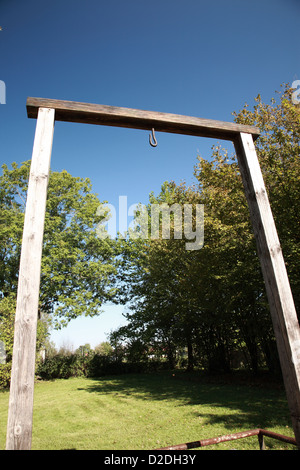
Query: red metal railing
x=232, y=437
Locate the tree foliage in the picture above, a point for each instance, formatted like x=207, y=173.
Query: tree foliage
x=7, y=320
x=212, y=301
x=77, y=266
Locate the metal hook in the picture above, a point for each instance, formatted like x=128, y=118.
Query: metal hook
x=152, y=139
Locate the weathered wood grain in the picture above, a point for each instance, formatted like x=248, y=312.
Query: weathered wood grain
x=138, y=119
x=281, y=303
x=19, y=425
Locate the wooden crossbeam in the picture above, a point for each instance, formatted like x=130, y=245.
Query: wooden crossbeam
x=87, y=113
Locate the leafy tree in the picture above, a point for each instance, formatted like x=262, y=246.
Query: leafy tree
x=278, y=153
x=241, y=282
x=104, y=349
x=212, y=301
x=77, y=266
x=234, y=284
x=50, y=348
x=84, y=350
x=13, y=184
x=153, y=271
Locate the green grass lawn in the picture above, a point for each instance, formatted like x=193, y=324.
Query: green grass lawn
x=145, y=412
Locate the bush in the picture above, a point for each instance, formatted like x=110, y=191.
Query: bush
x=104, y=365
x=7, y=319
x=97, y=365
x=61, y=367
x=7, y=323
x=5, y=370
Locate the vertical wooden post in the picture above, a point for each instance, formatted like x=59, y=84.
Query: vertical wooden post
x=19, y=426
x=282, y=308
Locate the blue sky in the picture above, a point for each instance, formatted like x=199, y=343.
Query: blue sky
x=190, y=57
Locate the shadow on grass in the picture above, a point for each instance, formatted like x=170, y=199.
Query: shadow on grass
x=234, y=405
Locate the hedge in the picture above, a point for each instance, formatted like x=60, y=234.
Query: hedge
x=94, y=365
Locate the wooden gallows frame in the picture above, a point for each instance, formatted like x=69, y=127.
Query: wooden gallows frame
x=284, y=317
